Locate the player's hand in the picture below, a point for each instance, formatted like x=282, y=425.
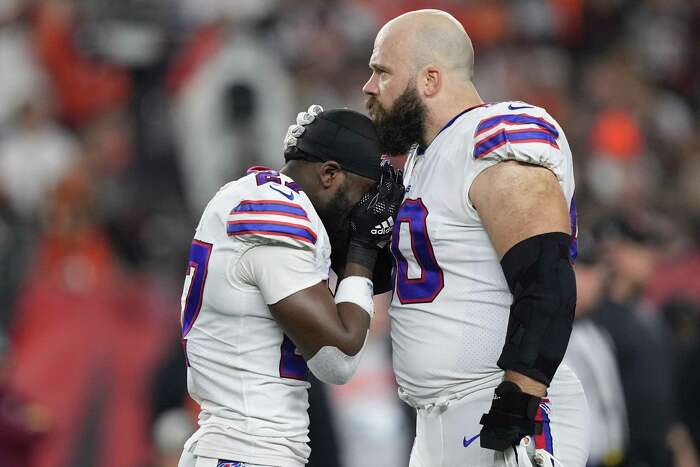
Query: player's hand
x=511, y=418
x=372, y=218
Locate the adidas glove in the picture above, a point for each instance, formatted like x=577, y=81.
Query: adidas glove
x=511, y=418
x=372, y=218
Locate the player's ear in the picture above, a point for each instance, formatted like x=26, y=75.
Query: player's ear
x=329, y=172
x=430, y=81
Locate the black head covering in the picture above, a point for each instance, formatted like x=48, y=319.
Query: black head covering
x=341, y=135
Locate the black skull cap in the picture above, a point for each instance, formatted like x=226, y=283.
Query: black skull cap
x=345, y=136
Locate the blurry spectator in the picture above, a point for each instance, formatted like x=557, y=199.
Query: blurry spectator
x=232, y=105
x=128, y=33
x=35, y=154
x=631, y=244
x=326, y=52
x=683, y=318
x=630, y=248
x=84, y=87
x=591, y=355
x=617, y=173
x=87, y=337
x=689, y=398
x=108, y=152
x=659, y=32
x=679, y=273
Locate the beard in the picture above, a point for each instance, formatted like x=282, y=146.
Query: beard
x=401, y=126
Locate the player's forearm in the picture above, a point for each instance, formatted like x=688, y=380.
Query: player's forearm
x=526, y=384
x=353, y=318
x=355, y=322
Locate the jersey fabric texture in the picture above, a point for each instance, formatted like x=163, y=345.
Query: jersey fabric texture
x=258, y=241
x=451, y=303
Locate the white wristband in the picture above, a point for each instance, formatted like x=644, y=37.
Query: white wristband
x=357, y=290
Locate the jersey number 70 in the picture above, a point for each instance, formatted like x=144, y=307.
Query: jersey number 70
x=425, y=288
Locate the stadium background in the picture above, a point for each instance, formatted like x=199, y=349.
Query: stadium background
x=119, y=120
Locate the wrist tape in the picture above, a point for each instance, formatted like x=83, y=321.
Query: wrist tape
x=357, y=290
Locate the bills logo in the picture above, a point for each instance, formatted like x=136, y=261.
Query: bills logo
x=223, y=463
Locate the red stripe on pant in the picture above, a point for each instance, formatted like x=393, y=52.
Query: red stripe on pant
x=544, y=439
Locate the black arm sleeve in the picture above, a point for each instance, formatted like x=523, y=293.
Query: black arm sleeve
x=541, y=278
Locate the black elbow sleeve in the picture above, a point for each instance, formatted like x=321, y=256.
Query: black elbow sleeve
x=541, y=278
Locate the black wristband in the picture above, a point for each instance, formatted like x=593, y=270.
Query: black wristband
x=362, y=255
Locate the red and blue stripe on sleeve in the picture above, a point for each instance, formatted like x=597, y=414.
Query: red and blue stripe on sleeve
x=271, y=218
x=525, y=129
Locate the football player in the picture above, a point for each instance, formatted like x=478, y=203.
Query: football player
x=257, y=312
x=485, y=292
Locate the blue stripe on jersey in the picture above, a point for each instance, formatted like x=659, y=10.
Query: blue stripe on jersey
x=264, y=227
x=515, y=119
x=272, y=207
x=573, y=248
x=518, y=136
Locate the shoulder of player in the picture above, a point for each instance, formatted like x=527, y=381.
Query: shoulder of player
x=513, y=108
x=512, y=113
x=513, y=121
x=266, y=187
x=494, y=116
x=268, y=206
x=516, y=130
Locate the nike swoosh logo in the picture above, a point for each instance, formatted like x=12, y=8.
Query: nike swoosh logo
x=469, y=441
x=289, y=196
x=512, y=107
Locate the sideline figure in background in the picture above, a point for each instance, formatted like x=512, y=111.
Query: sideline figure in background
x=256, y=305
x=485, y=290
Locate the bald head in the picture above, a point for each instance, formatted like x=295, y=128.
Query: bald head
x=426, y=37
x=422, y=66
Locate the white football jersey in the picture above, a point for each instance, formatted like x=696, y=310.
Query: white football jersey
x=258, y=241
x=451, y=303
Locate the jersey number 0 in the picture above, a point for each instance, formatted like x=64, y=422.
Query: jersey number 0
x=425, y=288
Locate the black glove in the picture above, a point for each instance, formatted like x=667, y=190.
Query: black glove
x=511, y=418
x=372, y=218
x=382, y=277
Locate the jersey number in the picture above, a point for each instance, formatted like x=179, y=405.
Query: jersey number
x=193, y=290
x=292, y=365
x=425, y=288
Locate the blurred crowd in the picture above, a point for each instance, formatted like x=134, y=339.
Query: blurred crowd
x=119, y=120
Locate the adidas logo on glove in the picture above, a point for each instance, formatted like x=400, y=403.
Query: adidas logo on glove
x=383, y=228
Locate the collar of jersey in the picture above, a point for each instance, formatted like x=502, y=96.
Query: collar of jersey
x=422, y=150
